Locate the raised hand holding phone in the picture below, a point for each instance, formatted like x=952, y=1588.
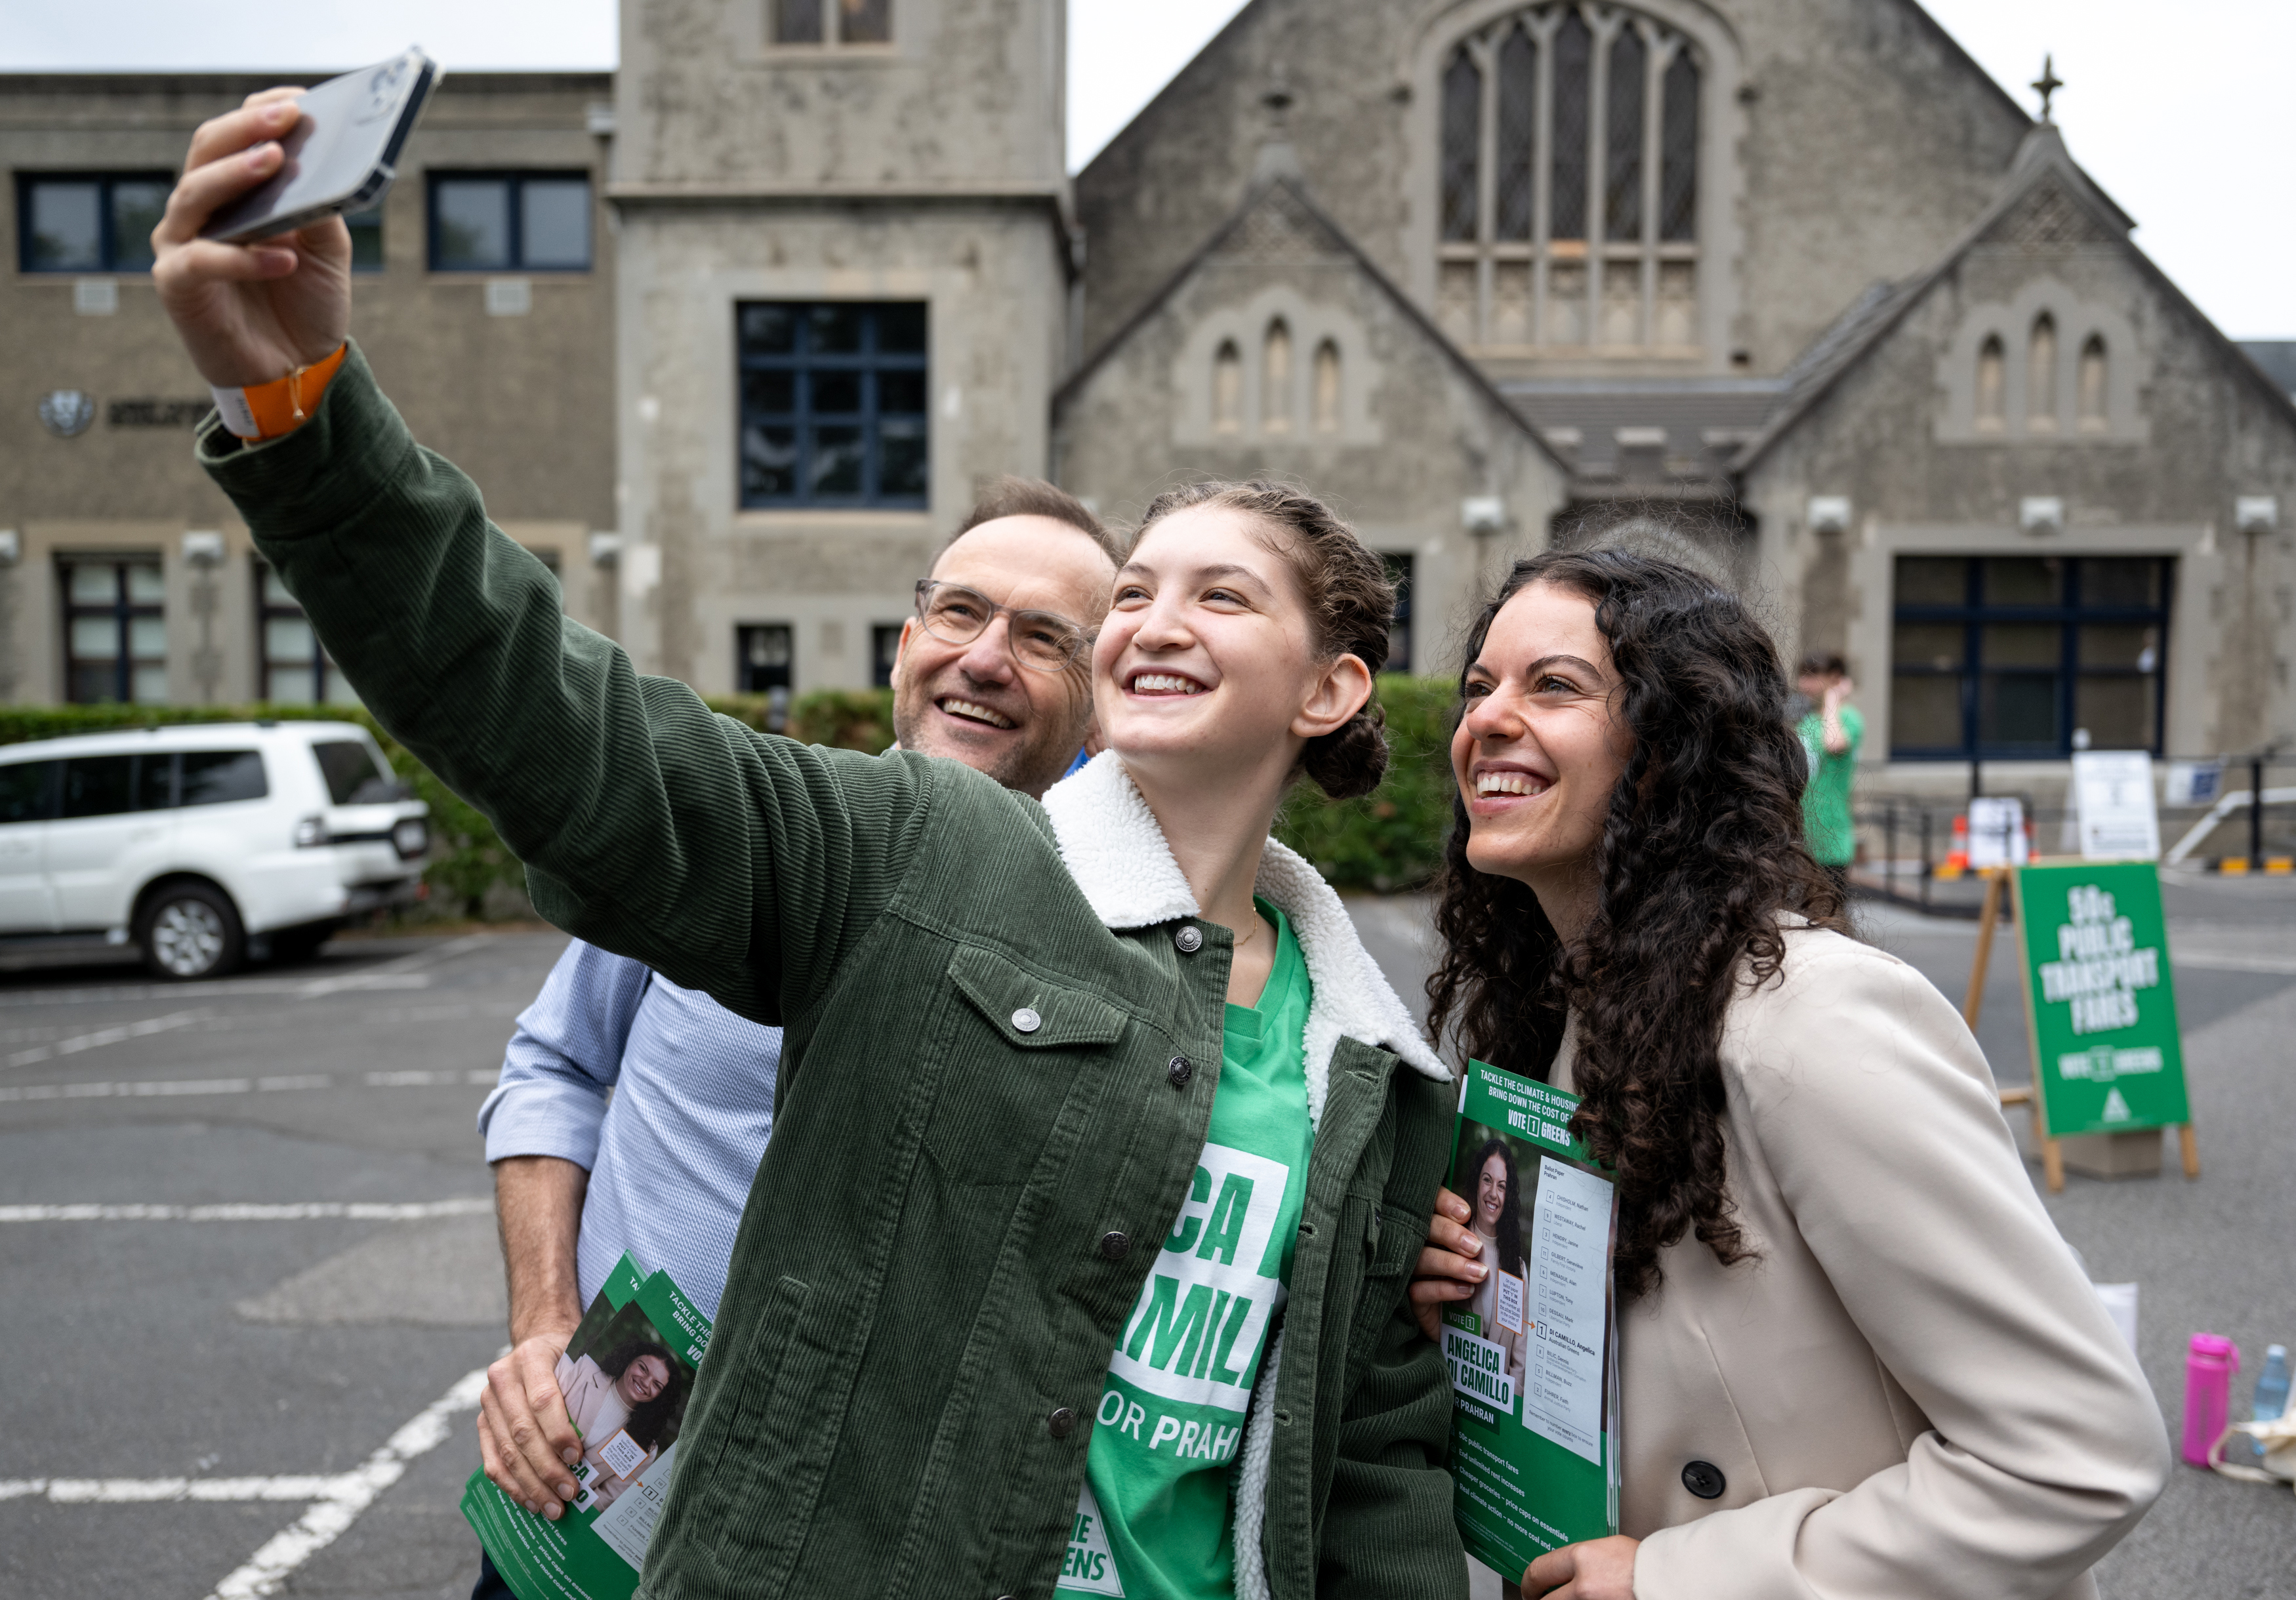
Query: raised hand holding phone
x=249, y=313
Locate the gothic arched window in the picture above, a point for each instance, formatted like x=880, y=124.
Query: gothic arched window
x=2041, y=376
x=1992, y=385
x=2095, y=413
x=1275, y=379
x=1569, y=178
x=1327, y=387
x=1227, y=389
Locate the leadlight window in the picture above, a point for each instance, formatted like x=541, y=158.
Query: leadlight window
x=89, y=222
x=832, y=404
x=2028, y=657
x=510, y=222
x=1568, y=185
x=115, y=630
x=827, y=21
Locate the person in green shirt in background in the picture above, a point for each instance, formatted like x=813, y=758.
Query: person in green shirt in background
x=1830, y=732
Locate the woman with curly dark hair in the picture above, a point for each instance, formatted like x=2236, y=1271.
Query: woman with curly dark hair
x=1856, y=1356
x=1495, y=1222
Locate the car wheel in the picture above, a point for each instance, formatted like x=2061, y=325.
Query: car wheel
x=191, y=931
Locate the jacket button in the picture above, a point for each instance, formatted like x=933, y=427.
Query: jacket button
x=1063, y=1423
x=1704, y=1479
x=1190, y=939
x=1179, y=1071
x=1114, y=1244
x=1026, y=1021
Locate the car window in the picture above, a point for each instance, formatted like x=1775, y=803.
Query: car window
x=352, y=774
x=155, y=782
x=99, y=786
x=213, y=776
x=28, y=792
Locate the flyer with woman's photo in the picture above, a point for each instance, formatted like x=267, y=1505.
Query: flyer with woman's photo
x=1534, y=1354
x=625, y=1374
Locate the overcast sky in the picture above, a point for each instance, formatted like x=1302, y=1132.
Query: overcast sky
x=2179, y=112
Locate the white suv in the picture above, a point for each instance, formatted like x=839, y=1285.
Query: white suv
x=205, y=843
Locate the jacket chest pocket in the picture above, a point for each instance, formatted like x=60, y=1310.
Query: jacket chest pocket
x=1011, y=1045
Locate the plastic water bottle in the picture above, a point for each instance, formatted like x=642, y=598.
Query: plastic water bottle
x=2211, y=1359
x=2271, y=1391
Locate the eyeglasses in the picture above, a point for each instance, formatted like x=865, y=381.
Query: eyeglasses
x=1041, y=641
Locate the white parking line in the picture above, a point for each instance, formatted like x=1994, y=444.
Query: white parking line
x=352, y=1493
x=138, y=1491
x=336, y=1500
x=396, y=974
x=355, y=1210
x=145, y=1087
x=107, y=1035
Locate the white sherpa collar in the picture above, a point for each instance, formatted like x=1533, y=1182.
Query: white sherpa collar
x=1116, y=852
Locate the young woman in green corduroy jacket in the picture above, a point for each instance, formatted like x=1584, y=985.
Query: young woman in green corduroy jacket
x=1102, y=1150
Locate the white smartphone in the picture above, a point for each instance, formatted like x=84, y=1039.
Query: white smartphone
x=341, y=156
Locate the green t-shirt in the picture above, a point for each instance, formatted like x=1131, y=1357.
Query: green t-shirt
x=1826, y=799
x=1155, y=1521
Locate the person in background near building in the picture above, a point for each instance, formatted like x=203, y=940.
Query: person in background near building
x=1830, y=732
x=632, y=1114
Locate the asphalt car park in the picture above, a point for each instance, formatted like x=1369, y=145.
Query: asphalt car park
x=248, y=1270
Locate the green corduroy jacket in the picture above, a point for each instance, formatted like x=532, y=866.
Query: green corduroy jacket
x=956, y=1213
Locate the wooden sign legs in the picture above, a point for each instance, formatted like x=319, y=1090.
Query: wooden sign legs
x=2053, y=1154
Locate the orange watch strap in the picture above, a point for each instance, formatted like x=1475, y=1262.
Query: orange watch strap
x=271, y=410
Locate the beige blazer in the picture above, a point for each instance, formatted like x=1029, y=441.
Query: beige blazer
x=1913, y=1392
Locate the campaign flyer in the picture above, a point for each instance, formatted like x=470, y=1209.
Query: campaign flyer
x=625, y=1374
x=1533, y=1354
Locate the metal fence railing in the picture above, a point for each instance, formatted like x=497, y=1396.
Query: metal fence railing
x=1913, y=850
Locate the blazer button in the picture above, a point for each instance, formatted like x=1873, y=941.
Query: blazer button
x=1190, y=939
x=1114, y=1244
x=1179, y=1071
x=1026, y=1021
x=1063, y=1423
x=1704, y=1479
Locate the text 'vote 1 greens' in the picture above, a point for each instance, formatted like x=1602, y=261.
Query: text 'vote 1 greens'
x=2098, y=999
x=1534, y=1354
x=626, y=1374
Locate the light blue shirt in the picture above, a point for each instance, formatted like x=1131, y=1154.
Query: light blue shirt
x=664, y=1095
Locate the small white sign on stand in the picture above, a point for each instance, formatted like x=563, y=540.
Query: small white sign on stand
x=2113, y=794
x=1996, y=832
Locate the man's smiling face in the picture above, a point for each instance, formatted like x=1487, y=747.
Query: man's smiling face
x=975, y=702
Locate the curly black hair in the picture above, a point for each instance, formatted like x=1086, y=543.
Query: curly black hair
x=1701, y=852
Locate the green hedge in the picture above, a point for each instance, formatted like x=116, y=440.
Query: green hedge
x=1391, y=839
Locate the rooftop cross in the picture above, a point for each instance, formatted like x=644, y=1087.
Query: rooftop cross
x=2047, y=84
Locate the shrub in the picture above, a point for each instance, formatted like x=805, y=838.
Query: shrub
x=1391, y=838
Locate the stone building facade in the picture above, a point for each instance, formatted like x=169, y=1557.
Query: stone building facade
x=1792, y=285
x=123, y=573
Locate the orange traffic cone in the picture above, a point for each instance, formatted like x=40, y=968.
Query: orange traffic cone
x=1956, y=858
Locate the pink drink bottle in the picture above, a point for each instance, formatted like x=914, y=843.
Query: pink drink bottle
x=2210, y=1362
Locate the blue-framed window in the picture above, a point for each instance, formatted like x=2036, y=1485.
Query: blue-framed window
x=2004, y=658
x=832, y=404
x=88, y=221
x=510, y=221
x=114, y=628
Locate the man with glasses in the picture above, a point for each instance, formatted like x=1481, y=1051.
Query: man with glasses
x=631, y=1113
